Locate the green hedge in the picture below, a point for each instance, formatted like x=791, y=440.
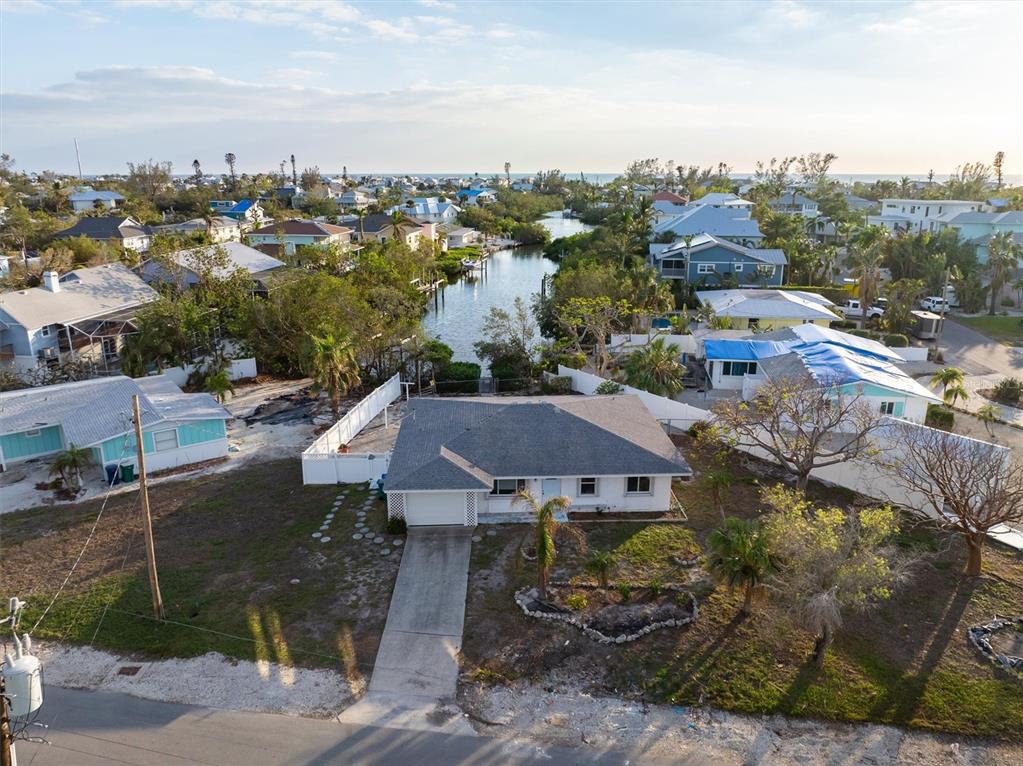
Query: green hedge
x=459, y=378
x=896, y=340
x=939, y=417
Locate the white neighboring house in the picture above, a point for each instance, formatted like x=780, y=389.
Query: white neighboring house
x=87, y=199
x=475, y=197
x=219, y=228
x=177, y=428
x=462, y=237
x=794, y=203
x=257, y=264
x=83, y=315
x=429, y=209
x=769, y=309
x=728, y=202
x=461, y=462
x=916, y=215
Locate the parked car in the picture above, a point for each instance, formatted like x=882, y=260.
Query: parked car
x=935, y=304
x=851, y=309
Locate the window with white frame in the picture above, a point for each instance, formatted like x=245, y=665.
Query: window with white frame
x=588, y=487
x=165, y=440
x=736, y=267
x=638, y=485
x=887, y=408
x=739, y=368
x=705, y=268
x=508, y=486
x=45, y=331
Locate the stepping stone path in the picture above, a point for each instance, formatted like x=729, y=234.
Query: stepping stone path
x=477, y=539
x=385, y=551
x=491, y=532
x=317, y=534
x=378, y=540
x=324, y=539
x=295, y=581
x=398, y=543
x=357, y=536
x=360, y=525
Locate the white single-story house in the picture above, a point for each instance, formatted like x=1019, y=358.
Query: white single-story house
x=769, y=309
x=237, y=257
x=462, y=462
x=86, y=199
x=462, y=237
x=177, y=428
x=220, y=228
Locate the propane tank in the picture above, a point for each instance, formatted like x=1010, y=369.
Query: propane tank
x=23, y=678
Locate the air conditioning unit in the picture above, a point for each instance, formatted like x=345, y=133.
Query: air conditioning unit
x=48, y=353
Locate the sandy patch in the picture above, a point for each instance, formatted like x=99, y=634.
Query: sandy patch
x=211, y=680
x=567, y=716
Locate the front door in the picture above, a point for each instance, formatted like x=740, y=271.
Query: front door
x=551, y=488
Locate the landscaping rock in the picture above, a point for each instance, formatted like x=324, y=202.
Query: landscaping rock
x=317, y=534
x=324, y=539
x=357, y=536
x=477, y=539
x=397, y=543
x=378, y=540
x=385, y=551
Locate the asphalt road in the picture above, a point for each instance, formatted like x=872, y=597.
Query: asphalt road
x=94, y=728
x=977, y=354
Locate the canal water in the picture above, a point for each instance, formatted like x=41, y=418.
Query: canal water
x=464, y=305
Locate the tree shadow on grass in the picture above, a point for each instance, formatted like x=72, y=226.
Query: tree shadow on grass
x=902, y=696
x=698, y=669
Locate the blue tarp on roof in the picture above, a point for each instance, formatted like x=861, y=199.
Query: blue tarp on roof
x=745, y=350
x=839, y=366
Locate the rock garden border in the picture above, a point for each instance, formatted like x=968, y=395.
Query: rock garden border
x=980, y=637
x=524, y=596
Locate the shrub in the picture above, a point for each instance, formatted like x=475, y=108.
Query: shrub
x=896, y=340
x=1009, y=302
x=843, y=324
x=601, y=564
x=556, y=385
x=866, y=334
x=624, y=591
x=576, y=602
x=459, y=378
x=655, y=587
x=609, y=387
x=1009, y=390
x=396, y=526
x=698, y=428
x=939, y=417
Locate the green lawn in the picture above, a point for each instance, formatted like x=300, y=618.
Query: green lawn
x=1008, y=330
x=908, y=663
x=228, y=547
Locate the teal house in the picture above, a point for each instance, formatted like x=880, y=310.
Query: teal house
x=707, y=260
x=178, y=429
x=977, y=227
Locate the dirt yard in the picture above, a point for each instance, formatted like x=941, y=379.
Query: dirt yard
x=240, y=569
x=907, y=664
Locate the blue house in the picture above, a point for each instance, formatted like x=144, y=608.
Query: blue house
x=709, y=260
x=731, y=223
x=177, y=428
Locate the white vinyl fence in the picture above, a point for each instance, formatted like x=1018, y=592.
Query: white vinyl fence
x=687, y=344
x=912, y=353
x=326, y=462
x=239, y=368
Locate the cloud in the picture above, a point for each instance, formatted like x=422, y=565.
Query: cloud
x=292, y=74
x=787, y=13
x=315, y=55
x=438, y=4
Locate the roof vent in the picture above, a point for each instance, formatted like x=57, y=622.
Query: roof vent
x=51, y=280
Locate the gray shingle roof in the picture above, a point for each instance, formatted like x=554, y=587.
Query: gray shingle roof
x=104, y=227
x=93, y=411
x=464, y=445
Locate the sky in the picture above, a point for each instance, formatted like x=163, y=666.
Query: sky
x=447, y=86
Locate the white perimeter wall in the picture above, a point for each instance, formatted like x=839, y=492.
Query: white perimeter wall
x=240, y=368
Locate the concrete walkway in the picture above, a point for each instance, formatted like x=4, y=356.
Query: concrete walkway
x=416, y=669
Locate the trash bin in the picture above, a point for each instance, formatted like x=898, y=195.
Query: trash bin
x=128, y=472
x=112, y=476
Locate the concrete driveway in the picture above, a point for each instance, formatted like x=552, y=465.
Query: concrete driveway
x=416, y=669
x=977, y=354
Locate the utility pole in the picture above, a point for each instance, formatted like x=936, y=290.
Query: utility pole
x=78, y=157
x=6, y=740
x=147, y=519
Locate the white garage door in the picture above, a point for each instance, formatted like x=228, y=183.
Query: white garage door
x=432, y=508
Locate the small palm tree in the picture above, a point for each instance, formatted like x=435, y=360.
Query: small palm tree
x=68, y=464
x=951, y=380
x=219, y=384
x=740, y=556
x=1002, y=262
x=546, y=530
x=602, y=565
x=987, y=414
x=866, y=267
x=335, y=368
x=718, y=479
x=397, y=221
x=657, y=368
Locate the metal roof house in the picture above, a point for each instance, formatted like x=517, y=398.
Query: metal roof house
x=768, y=309
x=707, y=259
x=81, y=316
x=177, y=428
x=87, y=199
x=461, y=462
x=237, y=257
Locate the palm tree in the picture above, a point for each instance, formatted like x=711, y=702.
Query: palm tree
x=1002, y=261
x=230, y=159
x=507, y=172
x=197, y=170
x=951, y=380
x=602, y=564
x=987, y=414
x=360, y=213
x=68, y=464
x=546, y=530
x=866, y=267
x=656, y=367
x=740, y=556
x=294, y=172
x=219, y=384
x=397, y=221
x=718, y=479
x=335, y=368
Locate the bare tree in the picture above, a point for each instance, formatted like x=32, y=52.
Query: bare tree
x=801, y=423
x=230, y=159
x=970, y=486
